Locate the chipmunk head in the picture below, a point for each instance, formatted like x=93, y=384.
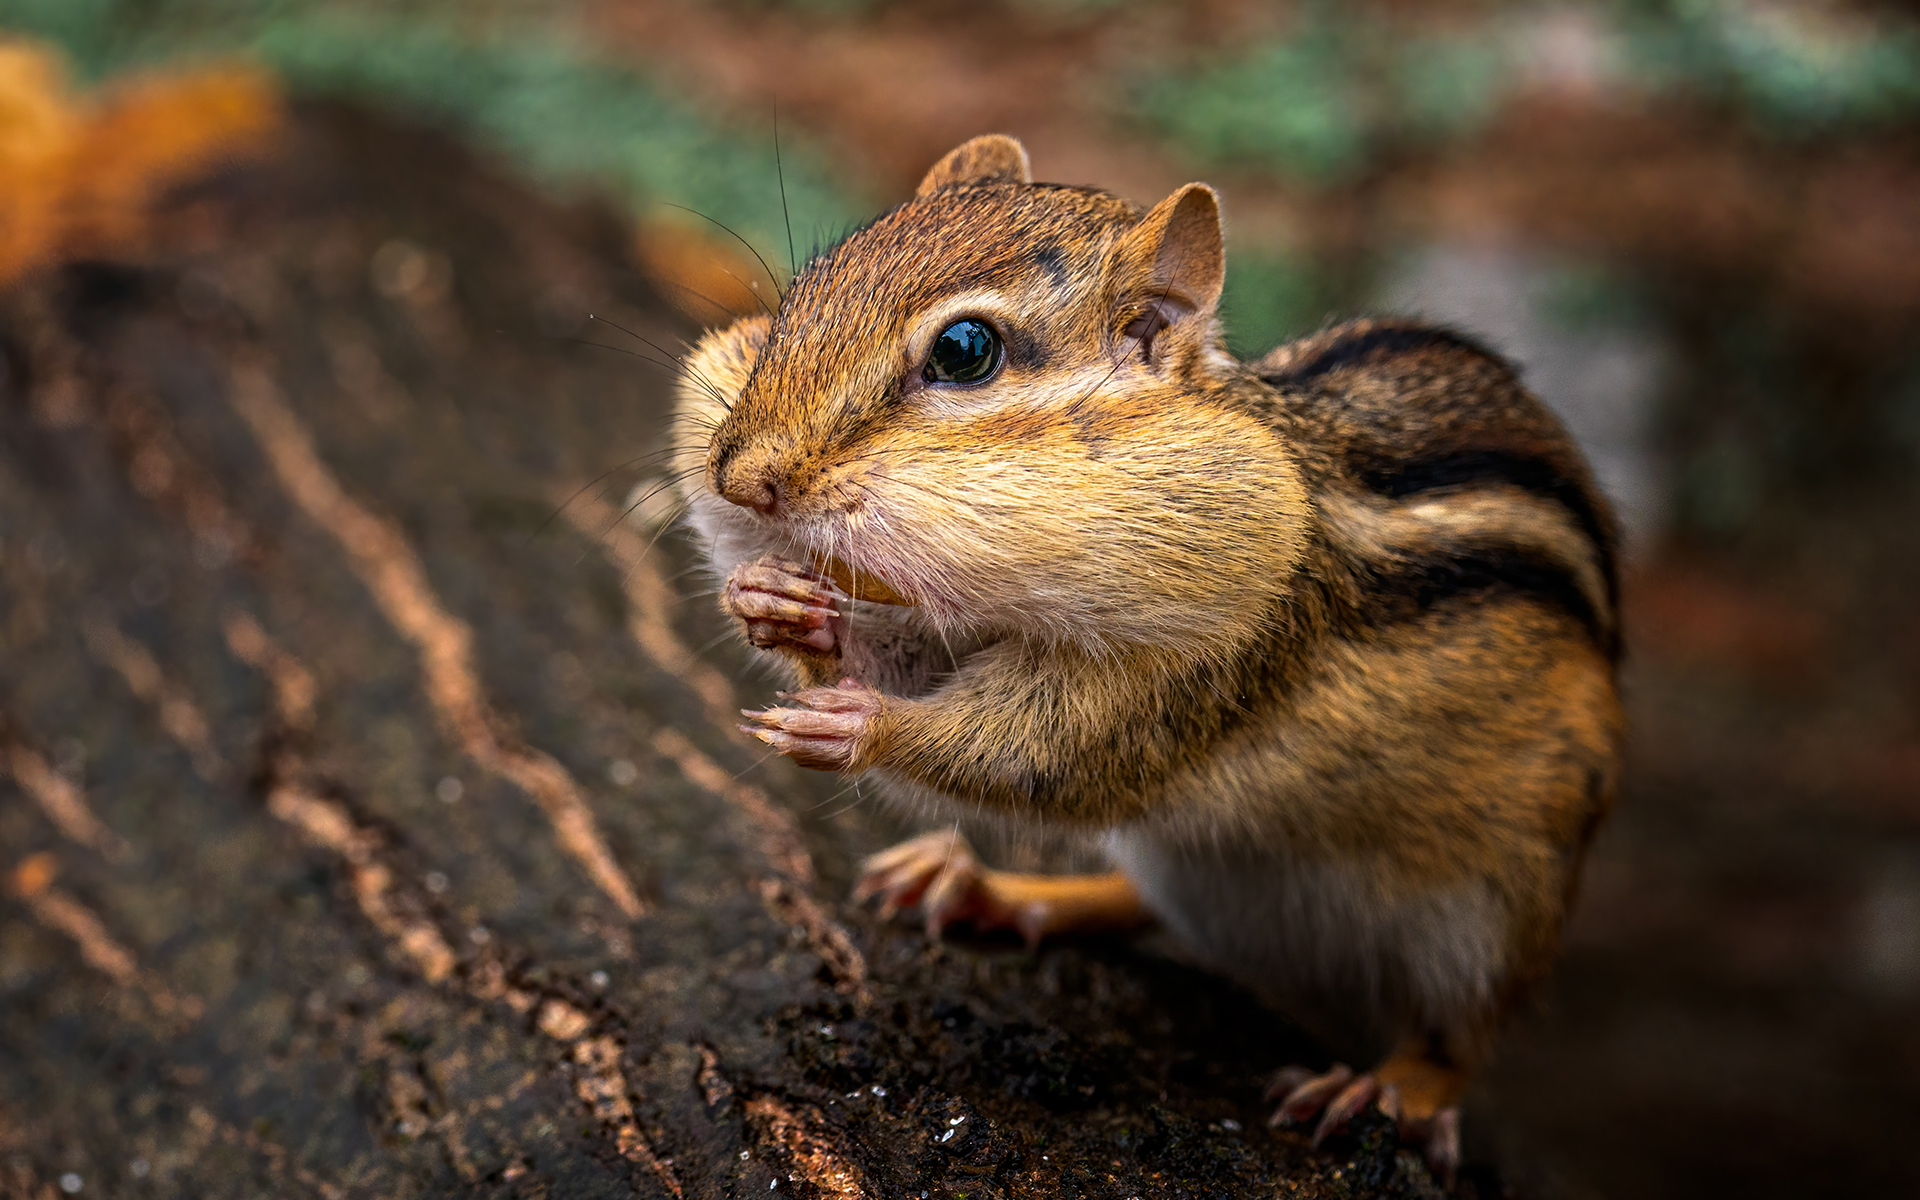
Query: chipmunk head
x=1003, y=399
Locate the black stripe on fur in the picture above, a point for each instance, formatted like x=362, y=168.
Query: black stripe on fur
x=1398, y=480
x=1389, y=339
x=1411, y=587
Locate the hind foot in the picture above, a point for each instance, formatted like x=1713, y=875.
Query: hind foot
x=938, y=872
x=1402, y=1091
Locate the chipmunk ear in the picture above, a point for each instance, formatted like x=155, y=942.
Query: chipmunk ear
x=989, y=158
x=1175, y=258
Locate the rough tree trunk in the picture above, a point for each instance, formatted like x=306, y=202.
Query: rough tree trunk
x=367, y=832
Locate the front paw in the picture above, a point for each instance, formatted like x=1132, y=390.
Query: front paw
x=784, y=606
x=824, y=728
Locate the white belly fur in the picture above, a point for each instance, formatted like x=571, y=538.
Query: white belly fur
x=1321, y=940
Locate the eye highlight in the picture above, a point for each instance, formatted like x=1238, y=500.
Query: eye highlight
x=966, y=351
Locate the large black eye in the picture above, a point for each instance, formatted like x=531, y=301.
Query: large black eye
x=965, y=352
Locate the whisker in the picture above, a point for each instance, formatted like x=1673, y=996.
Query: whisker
x=694, y=569
x=700, y=422
x=727, y=309
x=713, y=643
x=636, y=337
x=857, y=797
x=853, y=575
x=830, y=799
x=752, y=290
x=583, y=488
x=858, y=800
x=714, y=391
x=671, y=521
x=1137, y=339
x=665, y=483
x=771, y=277
x=754, y=765
x=670, y=368
x=793, y=267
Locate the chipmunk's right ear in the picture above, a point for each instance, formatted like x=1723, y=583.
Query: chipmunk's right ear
x=989, y=158
x=1171, y=265
x=1178, y=251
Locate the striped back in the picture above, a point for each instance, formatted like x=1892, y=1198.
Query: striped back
x=1440, y=478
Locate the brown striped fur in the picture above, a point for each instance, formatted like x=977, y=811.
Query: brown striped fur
x=1323, y=645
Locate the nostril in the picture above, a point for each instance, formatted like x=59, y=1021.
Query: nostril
x=766, y=497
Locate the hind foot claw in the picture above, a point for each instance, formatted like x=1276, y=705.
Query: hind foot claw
x=1337, y=1096
x=939, y=872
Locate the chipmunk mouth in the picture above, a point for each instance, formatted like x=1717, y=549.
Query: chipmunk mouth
x=861, y=585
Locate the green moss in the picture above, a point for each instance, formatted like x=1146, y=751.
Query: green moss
x=568, y=118
x=1322, y=103
x=1587, y=295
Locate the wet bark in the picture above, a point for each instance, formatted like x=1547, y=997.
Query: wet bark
x=372, y=819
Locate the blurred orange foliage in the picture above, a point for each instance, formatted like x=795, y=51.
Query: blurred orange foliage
x=79, y=176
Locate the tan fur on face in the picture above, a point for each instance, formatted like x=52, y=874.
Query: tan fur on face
x=939, y=501
x=919, y=486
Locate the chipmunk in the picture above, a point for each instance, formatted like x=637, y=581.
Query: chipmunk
x=1321, y=648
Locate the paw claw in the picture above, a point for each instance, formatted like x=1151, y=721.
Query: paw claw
x=1338, y=1096
x=1286, y=1080
x=783, y=605
x=938, y=872
x=1350, y=1103
x=1442, y=1150
x=820, y=728
x=1313, y=1095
